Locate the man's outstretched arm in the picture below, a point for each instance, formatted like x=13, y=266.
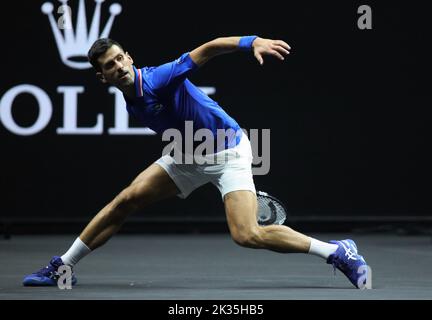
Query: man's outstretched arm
x=260, y=47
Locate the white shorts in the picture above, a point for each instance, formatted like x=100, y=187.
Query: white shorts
x=231, y=170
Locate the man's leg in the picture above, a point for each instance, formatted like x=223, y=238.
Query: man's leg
x=241, y=208
x=151, y=185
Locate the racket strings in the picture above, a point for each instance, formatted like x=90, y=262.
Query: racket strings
x=270, y=211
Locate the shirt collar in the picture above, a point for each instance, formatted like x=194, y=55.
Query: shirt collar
x=138, y=82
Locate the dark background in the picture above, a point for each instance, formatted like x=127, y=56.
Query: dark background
x=348, y=109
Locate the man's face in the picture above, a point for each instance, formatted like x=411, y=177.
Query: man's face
x=116, y=68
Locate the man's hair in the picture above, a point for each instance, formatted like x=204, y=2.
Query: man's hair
x=98, y=48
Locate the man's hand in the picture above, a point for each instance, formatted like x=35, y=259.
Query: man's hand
x=276, y=48
x=260, y=46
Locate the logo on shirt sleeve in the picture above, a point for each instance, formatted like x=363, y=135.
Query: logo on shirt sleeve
x=181, y=59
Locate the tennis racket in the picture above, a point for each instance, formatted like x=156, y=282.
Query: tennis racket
x=270, y=210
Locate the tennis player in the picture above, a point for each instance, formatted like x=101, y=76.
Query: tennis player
x=163, y=98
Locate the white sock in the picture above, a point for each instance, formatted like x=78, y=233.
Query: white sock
x=322, y=249
x=76, y=252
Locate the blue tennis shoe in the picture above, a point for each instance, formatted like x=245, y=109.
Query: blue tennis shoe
x=350, y=263
x=47, y=276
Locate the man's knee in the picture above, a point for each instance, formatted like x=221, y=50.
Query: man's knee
x=250, y=238
x=132, y=198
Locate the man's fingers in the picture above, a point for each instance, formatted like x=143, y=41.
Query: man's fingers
x=281, y=50
x=274, y=53
x=283, y=44
x=276, y=48
x=259, y=57
x=277, y=54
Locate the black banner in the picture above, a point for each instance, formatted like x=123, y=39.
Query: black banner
x=348, y=110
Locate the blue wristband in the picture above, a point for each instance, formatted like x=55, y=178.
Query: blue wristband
x=245, y=43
